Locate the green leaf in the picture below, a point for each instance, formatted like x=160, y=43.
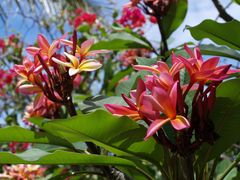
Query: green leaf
x=225, y=116
x=18, y=134
x=96, y=102
x=146, y=61
x=237, y=1
x=126, y=86
x=60, y=157
x=222, y=166
x=117, y=77
x=37, y=156
x=120, y=41
x=121, y=136
x=220, y=33
x=174, y=17
x=211, y=49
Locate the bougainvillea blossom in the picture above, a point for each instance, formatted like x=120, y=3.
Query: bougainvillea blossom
x=132, y=18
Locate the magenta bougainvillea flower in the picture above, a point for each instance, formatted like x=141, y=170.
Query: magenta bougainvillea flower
x=2, y=44
x=128, y=57
x=132, y=17
x=81, y=17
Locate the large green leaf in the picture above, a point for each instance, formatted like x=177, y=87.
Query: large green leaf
x=210, y=49
x=222, y=166
x=96, y=102
x=18, y=134
x=37, y=156
x=60, y=157
x=121, y=136
x=221, y=33
x=174, y=17
x=119, y=41
x=226, y=118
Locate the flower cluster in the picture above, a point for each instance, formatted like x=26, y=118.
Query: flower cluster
x=41, y=107
x=2, y=44
x=16, y=146
x=6, y=78
x=161, y=97
x=128, y=57
x=22, y=172
x=11, y=41
x=132, y=17
x=154, y=8
x=50, y=74
x=81, y=17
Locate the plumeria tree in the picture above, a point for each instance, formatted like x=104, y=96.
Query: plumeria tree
x=104, y=102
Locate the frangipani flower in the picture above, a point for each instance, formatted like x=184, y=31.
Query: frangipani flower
x=203, y=71
x=161, y=67
x=165, y=102
x=45, y=49
x=84, y=50
x=76, y=66
x=137, y=109
x=29, y=89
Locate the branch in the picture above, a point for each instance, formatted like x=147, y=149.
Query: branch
x=164, y=44
x=222, y=12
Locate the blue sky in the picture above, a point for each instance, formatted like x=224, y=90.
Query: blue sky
x=197, y=12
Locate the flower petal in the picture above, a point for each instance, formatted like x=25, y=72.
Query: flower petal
x=53, y=48
x=165, y=102
x=119, y=110
x=73, y=59
x=150, y=102
x=66, y=64
x=43, y=42
x=85, y=46
x=146, y=68
x=129, y=102
x=89, y=65
x=29, y=89
x=141, y=88
x=198, y=54
x=67, y=42
x=210, y=64
x=180, y=123
x=189, y=51
x=73, y=71
x=162, y=66
x=95, y=52
x=155, y=126
x=32, y=50
x=173, y=94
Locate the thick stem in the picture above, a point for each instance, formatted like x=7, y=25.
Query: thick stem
x=163, y=45
x=110, y=173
